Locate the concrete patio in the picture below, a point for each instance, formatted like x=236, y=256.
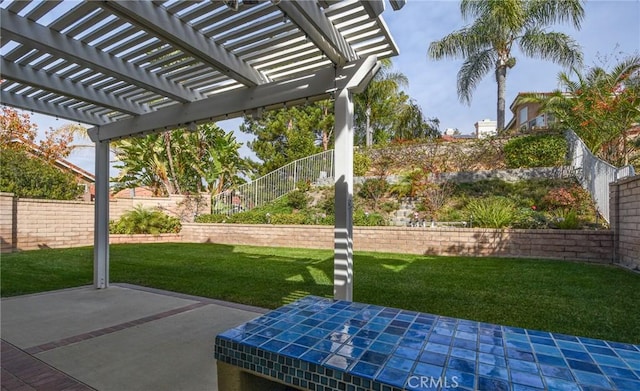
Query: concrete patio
x=122, y=338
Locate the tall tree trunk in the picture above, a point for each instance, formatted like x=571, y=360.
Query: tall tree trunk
x=173, y=179
x=501, y=80
x=325, y=131
x=368, y=130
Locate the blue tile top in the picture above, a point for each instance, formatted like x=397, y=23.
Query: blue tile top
x=321, y=344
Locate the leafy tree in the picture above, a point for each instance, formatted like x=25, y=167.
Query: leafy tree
x=30, y=177
x=601, y=106
x=376, y=106
x=486, y=44
x=27, y=168
x=384, y=113
x=19, y=133
x=181, y=161
x=288, y=134
x=412, y=124
x=16, y=127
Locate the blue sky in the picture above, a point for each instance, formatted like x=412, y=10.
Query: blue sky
x=611, y=29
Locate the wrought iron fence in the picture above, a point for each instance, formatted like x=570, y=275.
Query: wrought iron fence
x=275, y=184
x=594, y=173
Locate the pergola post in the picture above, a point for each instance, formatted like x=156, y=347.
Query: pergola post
x=101, y=222
x=343, y=231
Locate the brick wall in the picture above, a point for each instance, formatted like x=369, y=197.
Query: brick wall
x=56, y=224
x=53, y=224
x=7, y=230
x=175, y=205
x=624, y=212
x=592, y=246
x=162, y=238
x=28, y=224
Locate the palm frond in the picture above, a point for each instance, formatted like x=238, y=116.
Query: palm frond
x=506, y=13
x=458, y=44
x=565, y=82
x=626, y=68
x=557, y=47
x=472, y=71
x=548, y=12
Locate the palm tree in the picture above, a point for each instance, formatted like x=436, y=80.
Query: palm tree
x=601, y=106
x=499, y=24
x=376, y=103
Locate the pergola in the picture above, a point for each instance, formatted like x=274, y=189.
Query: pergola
x=131, y=68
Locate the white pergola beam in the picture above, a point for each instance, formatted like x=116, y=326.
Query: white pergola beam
x=235, y=102
x=49, y=82
x=47, y=40
x=397, y=4
x=373, y=7
x=310, y=18
x=185, y=38
x=52, y=109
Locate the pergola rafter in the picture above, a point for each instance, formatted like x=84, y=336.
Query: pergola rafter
x=41, y=79
x=181, y=36
x=136, y=67
x=46, y=40
x=52, y=109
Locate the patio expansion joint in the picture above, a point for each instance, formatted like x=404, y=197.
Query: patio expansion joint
x=111, y=329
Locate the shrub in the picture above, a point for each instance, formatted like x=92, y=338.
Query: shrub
x=373, y=189
x=289, y=219
x=548, y=150
x=435, y=198
x=212, y=218
x=528, y=218
x=303, y=186
x=365, y=219
x=29, y=177
x=390, y=206
x=144, y=221
x=559, y=198
x=328, y=204
x=297, y=199
x=411, y=183
x=249, y=217
x=324, y=219
x=492, y=212
x=361, y=164
x=566, y=219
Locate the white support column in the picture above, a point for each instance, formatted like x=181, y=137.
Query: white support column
x=101, y=221
x=343, y=232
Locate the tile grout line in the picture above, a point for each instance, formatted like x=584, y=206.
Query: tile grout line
x=111, y=329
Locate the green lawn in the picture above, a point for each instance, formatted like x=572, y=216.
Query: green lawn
x=582, y=299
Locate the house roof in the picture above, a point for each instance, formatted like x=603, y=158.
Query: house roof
x=134, y=67
x=35, y=150
x=512, y=106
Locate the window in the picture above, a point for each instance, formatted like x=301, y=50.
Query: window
x=524, y=115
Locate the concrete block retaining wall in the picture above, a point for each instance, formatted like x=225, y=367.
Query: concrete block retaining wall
x=592, y=246
x=27, y=224
x=624, y=210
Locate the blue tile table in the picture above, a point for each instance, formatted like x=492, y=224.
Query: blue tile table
x=322, y=344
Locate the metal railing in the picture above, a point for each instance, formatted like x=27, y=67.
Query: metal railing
x=594, y=173
x=274, y=185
